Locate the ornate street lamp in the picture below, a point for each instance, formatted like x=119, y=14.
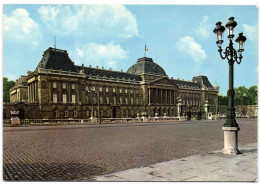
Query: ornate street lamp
x=231, y=127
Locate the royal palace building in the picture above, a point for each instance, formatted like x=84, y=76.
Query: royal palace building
x=59, y=89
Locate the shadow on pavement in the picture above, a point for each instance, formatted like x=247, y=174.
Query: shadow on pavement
x=49, y=172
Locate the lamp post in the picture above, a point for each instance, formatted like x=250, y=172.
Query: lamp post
x=231, y=127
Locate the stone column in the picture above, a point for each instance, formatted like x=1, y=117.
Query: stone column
x=170, y=97
x=166, y=96
x=161, y=96
x=149, y=95
x=29, y=93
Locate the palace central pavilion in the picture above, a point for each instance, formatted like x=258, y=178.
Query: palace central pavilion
x=59, y=89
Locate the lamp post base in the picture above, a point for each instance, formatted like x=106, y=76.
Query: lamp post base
x=231, y=140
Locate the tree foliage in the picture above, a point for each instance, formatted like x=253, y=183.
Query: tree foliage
x=6, y=86
x=243, y=96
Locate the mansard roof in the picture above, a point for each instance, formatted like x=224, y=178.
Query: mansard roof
x=203, y=81
x=109, y=73
x=56, y=59
x=188, y=84
x=146, y=65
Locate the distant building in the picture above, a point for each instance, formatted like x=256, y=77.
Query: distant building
x=59, y=89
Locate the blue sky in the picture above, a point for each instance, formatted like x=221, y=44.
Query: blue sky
x=179, y=38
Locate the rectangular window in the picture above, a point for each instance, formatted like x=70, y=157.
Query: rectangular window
x=120, y=90
x=106, y=89
x=65, y=113
x=73, y=98
x=137, y=101
x=54, y=84
x=107, y=99
x=75, y=113
x=73, y=86
x=64, y=98
x=55, y=100
x=87, y=100
x=100, y=89
x=132, y=101
x=114, y=100
x=126, y=101
x=101, y=100
x=126, y=91
x=87, y=113
x=87, y=89
x=131, y=91
x=121, y=100
x=94, y=100
x=57, y=113
x=114, y=90
x=63, y=85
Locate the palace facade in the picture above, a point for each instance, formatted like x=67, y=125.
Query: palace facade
x=59, y=89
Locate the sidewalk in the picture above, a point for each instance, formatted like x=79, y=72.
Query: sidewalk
x=212, y=166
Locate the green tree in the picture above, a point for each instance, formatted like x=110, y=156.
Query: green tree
x=6, y=86
x=223, y=100
x=252, y=92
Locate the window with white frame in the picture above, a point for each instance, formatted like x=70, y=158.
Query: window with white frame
x=66, y=114
x=126, y=100
x=63, y=85
x=132, y=101
x=87, y=88
x=54, y=84
x=73, y=86
x=114, y=99
x=131, y=91
x=93, y=88
x=121, y=100
x=56, y=112
x=126, y=90
x=54, y=96
x=73, y=98
x=106, y=89
x=100, y=89
x=101, y=100
x=75, y=113
x=114, y=90
x=94, y=100
x=107, y=100
x=87, y=113
x=137, y=101
x=120, y=90
x=87, y=99
x=64, y=98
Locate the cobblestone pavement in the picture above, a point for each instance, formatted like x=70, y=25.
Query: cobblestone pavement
x=73, y=152
x=211, y=166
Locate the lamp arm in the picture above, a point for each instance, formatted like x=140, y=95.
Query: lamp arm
x=236, y=58
x=220, y=53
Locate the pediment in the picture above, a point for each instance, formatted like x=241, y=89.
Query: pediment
x=163, y=81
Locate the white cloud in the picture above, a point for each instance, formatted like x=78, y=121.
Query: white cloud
x=99, y=55
x=90, y=20
x=204, y=27
x=188, y=46
x=21, y=28
x=251, y=32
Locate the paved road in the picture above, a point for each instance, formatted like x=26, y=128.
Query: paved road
x=78, y=151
